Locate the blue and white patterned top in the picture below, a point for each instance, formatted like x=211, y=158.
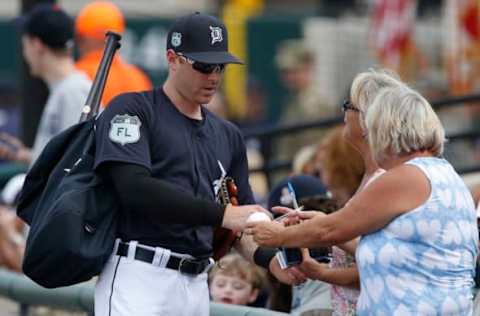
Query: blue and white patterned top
x=423, y=262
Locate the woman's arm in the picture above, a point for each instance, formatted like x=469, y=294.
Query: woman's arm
x=349, y=246
x=400, y=190
x=348, y=276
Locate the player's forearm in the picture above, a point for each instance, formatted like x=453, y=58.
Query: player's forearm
x=142, y=194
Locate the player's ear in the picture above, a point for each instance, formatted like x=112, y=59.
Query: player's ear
x=172, y=59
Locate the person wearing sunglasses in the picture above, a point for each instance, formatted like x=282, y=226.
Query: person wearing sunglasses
x=416, y=221
x=164, y=153
x=347, y=105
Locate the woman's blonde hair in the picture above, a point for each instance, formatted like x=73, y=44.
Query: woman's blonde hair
x=366, y=85
x=401, y=121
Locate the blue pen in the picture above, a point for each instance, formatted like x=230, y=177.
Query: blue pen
x=292, y=195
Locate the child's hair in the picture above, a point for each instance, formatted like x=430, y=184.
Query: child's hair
x=235, y=265
x=341, y=163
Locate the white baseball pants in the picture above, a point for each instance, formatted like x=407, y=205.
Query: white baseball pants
x=128, y=287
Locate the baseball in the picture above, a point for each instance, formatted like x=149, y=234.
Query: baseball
x=258, y=217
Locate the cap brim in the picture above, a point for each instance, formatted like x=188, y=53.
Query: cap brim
x=214, y=57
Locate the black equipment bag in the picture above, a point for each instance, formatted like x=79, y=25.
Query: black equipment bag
x=71, y=211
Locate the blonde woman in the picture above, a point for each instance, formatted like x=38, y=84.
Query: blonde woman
x=418, y=245
x=338, y=167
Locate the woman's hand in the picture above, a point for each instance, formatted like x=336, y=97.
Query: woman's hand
x=266, y=233
x=311, y=268
x=290, y=276
x=293, y=216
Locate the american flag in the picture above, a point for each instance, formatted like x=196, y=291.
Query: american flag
x=391, y=30
x=462, y=43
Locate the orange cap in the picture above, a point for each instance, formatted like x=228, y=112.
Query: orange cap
x=98, y=17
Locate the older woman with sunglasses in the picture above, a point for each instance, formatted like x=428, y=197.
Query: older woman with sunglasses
x=418, y=245
x=342, y=272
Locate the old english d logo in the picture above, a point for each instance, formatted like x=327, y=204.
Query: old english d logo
x=216, y=34
x=125, y=129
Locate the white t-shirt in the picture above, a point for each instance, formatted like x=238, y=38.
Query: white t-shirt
x=62, y=110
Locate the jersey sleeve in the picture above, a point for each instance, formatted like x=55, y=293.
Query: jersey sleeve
x=122, y=131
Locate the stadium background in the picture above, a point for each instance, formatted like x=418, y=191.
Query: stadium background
x=433, y=44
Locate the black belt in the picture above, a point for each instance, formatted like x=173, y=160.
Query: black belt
x=183, y=265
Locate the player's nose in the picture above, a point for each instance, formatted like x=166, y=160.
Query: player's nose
x=214, y=77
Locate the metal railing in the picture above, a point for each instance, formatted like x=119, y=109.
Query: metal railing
x=267, y=133
x=79, y=297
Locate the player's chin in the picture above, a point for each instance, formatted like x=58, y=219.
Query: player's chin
x=205, y=98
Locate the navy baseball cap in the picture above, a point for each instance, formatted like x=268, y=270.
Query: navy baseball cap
x=305, y=186
x=202, y=38
x=48, y=22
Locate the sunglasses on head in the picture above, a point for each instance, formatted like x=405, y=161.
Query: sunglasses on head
x=204, y=68
x=348, y=106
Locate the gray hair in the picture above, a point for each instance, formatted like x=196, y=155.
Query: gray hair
x=366, y=85
x=401, y=121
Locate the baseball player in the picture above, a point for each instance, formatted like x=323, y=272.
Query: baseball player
x=162, y=150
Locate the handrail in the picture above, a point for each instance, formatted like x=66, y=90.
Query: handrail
x=79, y=297
x=273, y=131
x=275, y=165
x=276, y=130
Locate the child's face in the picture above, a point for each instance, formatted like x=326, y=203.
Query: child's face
x=231, y=290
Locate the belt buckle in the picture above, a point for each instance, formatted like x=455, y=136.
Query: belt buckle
x=182, y=260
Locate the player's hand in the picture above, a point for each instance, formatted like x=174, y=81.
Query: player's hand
x=266, y=233
x=311, y=268
x=290, y=276
x=235, y=216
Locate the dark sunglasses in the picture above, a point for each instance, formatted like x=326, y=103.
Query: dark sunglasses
x=203, y=67
x=347, y=105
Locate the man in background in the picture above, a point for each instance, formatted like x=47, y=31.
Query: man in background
x=297, y=64
x=47, y=43
x=93, y=21
x=304, y=102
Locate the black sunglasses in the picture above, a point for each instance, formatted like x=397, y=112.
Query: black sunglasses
x=203, y=67
x=347, y=105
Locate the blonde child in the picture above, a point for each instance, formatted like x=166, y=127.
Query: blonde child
x=234, y=280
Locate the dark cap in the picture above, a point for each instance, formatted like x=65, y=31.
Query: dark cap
x=202, y=38
x=49, y=23
x=304, y=186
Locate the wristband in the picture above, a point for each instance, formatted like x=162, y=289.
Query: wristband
x=263, y=255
